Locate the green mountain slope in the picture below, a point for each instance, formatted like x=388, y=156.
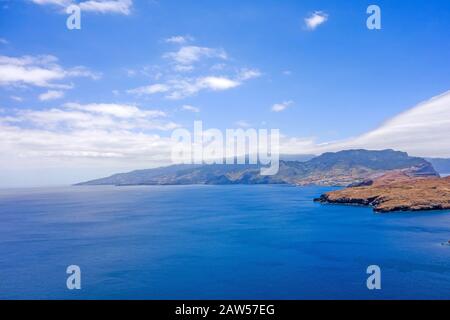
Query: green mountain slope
x=330, y=169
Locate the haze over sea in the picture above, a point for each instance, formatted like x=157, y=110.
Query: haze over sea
x=205, y=242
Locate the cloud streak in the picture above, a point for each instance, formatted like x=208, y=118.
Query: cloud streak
x=423, y=130
x=183, y=87
x=179, y=39
x=190, y=54
x=39, y=71
x=51, y=95
x=118, y=6
x=190, y=108
x=97, y=6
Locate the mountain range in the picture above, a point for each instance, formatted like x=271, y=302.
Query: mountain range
x=342, y=168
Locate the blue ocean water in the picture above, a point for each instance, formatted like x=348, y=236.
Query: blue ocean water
x=208, y=242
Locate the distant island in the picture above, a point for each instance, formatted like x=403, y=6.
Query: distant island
x=329, y=169
x=387, y=180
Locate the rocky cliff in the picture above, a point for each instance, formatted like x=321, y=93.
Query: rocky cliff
x=395, y=191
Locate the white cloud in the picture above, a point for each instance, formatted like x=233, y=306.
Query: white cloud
x=315, y=20
x=183, y=68
x=107, y=6
x=422, y=131
x=51, y=95
x=279, y=107
x=149, y=90
x=218, y=66
x=174, y=83
x=53, y=2
x=179, y=39
x=216, y=83
x=98, y=6
x=188, y=87
x=116, y=110
x=40, y=71
x=17, y=98
x=188, y=55
x=26, y=144
x=184, y=87
x=81, y=71
x=130, y=72
x=190, y=108
x=94, y=116
x=81, y=137
x=30, y=151
x=247, y=74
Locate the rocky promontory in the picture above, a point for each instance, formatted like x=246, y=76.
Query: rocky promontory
x=395, y=191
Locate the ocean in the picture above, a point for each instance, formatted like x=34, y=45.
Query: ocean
x=214, y=242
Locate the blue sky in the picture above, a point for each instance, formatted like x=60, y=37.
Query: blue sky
x=232, y=61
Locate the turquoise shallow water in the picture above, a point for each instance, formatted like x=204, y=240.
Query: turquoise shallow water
x=206, y=242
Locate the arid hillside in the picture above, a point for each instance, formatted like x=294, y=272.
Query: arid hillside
x=395, y=191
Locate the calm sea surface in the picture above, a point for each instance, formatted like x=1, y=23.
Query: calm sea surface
x=206, y=242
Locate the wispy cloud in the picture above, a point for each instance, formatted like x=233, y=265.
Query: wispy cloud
x=315, y=19
x=40, y=71
x=96, y=116
x=247, y=74
x=98, y=6
x=116, y=110
x=95, y=135
x=191, y=54
x=150, y=89
x=185, y=58
x=182, y=87
x=422, y=131
x=107, y=6
x=205, y=67
x=179, y=39
x=3, y=41
x=190, y=108
x=279, y=107
x=16, y=98
x=51, y=95
x=53, y=2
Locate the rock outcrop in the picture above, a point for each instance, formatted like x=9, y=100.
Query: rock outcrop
x=396, y=191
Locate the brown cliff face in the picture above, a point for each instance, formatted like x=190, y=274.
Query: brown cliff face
x=396, y=191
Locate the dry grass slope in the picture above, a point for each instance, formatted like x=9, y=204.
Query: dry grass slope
x=396, y=192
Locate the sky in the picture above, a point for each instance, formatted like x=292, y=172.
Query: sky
x=82, y=104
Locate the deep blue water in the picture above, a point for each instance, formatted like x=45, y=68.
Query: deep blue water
x=207, y=242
